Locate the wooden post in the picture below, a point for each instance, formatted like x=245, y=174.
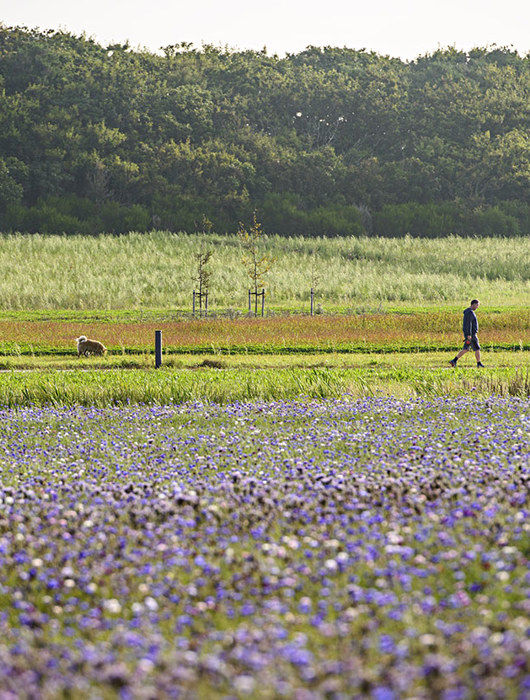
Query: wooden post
x=312, y=298
x=194, y=302
x=206, y=304
x=158, y=349
x=256, y=295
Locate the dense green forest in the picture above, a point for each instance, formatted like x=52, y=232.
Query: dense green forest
x=324, y=142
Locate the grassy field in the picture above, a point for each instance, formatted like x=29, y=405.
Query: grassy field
x=224, y=385
x=222, y=360
x=155, y=271
x=291, y=356
x=379, y=332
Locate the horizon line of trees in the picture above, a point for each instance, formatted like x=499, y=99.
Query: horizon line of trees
x=329, y=141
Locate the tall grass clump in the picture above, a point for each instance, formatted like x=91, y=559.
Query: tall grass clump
x=516, y=384
x=123, y=387
x=155, y=270
x=163, y=387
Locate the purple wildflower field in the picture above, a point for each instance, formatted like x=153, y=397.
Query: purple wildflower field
x=354, y=548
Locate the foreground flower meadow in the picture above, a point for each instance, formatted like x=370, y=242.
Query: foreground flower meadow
x=373, y=548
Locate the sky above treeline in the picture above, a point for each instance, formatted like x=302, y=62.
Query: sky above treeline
x=401, y=28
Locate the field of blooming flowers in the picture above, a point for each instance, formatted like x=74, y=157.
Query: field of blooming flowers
x=341, y=548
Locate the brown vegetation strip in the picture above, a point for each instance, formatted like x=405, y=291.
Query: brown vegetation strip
x=508, y=327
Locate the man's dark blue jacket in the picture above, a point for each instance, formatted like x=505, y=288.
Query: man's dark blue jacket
x=470, y=326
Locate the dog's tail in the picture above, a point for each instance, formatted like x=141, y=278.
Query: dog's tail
x=81, y=339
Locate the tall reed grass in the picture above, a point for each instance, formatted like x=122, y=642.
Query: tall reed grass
x=155, y=270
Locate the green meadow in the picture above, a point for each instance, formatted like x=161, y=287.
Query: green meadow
x=387, y=318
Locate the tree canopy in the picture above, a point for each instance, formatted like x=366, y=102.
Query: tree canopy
x=328, y=141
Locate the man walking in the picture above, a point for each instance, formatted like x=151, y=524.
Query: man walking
x=470, y=328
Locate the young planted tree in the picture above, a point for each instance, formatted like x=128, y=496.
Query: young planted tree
x=202, y=277
x=256, y=262
x=316, y=276
x=202, y=271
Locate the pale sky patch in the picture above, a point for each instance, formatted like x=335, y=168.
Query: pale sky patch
x=400, y=28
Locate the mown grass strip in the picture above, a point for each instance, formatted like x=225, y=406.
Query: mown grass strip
x=305, y=360
x=182, y=315
x=23, y=349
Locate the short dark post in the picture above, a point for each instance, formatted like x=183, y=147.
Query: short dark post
x=158, y=349
x=249, y=301
x=206, y=304
x=312, y=298
x=263, y=302
x=194, y=302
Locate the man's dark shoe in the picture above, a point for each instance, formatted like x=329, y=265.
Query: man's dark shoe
x=452, y=363
x=479, y=364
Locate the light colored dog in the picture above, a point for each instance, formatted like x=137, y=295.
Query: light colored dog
x=87, y=347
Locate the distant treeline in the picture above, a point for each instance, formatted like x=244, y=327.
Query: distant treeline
x=329, y=141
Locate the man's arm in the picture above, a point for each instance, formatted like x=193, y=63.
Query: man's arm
x=467, y=326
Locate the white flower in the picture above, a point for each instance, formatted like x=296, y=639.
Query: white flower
x=151, y=604
x=112, y=606
x=244, y=684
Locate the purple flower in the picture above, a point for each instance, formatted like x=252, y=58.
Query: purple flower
x=386, y=644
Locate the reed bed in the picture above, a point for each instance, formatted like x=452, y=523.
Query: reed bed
x=155, y=270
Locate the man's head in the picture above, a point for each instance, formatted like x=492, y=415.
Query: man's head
x=474, y=304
